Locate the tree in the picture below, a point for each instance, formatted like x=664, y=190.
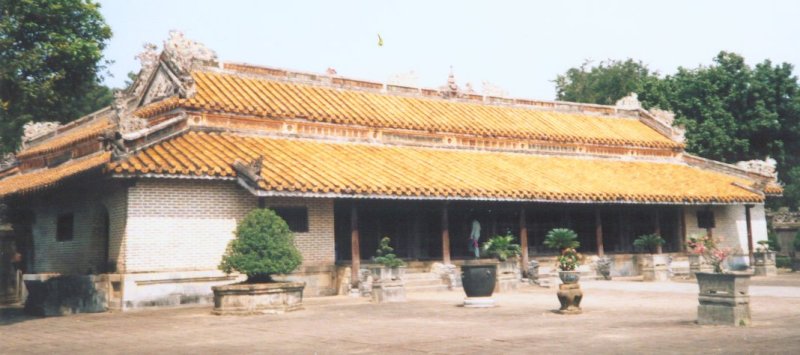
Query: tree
x=263, y=246
x=51, y=55
x=605, y=83
x=732, y=111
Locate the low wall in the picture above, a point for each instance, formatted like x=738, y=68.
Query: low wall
x=56, y=295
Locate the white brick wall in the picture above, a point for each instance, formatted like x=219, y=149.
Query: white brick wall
x=731, y=224
x=181, y=225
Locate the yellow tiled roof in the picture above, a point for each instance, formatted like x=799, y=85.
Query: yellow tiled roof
x=44, y=178
x=257, y=96
x=393, y=171
x=77, y=134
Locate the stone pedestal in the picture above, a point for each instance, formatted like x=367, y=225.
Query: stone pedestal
x=479, y=302
x=570, y=296
x=388, y=291
x=764, y=264
x=724, y=299
x=508, y=275
x=55, y=295
x=258, y=298
x=603, y=267
x=655, y=267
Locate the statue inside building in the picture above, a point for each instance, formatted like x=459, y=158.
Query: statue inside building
x=474, y=237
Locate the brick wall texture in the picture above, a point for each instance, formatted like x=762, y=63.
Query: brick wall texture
x=731, y=224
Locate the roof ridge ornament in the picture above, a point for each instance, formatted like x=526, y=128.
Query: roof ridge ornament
x=33, y=130
x=630, y=102
x=764, y=167
x=184, y=53
x=451, y=90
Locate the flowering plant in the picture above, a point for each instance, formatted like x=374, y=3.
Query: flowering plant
x=709, y=248
x=569, y=260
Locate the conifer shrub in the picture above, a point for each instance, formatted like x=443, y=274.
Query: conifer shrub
x=264, y=246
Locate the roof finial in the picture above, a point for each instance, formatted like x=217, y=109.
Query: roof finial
x=451, y=89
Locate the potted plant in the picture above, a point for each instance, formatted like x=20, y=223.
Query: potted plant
x=263, y=247
x=697, y=262
x=764, y=260
x=654, y=264
x=724, y=296
x=566, y=241
x=506, y=251
x=387, y=274
x=390, y=267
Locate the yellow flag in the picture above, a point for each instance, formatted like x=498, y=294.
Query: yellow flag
x=380, y=40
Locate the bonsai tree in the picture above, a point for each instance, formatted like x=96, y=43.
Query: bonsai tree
x=385, y=255
x=263, y=246
x=566, y=240
x=649, y=242
x=502, y=247
x=561, y=239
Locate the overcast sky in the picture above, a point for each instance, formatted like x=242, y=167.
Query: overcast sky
x=519, y=46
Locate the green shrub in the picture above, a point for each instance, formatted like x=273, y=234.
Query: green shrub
x=502, y=247
x=569, y=260
x=263, y=246
x=385, y=255
x=797, y=242
x=649, y=242
x=561, y=239
x=772, y=241
x=783, y=261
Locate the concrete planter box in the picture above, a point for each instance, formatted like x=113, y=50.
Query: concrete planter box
x=724, y=299
x=508, y=275
x=259, y=298
x=381, y=273
x=764, y=264
x=655, y=267
x=57, y=295
x=387, y=284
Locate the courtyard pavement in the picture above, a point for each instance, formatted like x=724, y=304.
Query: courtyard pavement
x=619, y=317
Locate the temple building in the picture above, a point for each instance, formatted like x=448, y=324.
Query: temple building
x=148, y=192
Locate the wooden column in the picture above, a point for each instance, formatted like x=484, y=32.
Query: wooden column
x=598, y=232
x=657, y=229
x=445, y=236
x=355, y=250
x=749, y=232
x=682, y=230
x=523, y=238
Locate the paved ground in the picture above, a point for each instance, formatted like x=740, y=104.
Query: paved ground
x=619, y=317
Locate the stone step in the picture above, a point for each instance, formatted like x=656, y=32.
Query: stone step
x=423, y=282
x=430, y=288
x=420, y=276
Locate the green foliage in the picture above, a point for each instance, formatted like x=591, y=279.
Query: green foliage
x=502, y=247
x=561, y=239
x=605, y=83
x=385, y=255
x=569, y=260
x=263, y=246
x=797, y=242
x=51, y=53
x=783, y=261
x=649, y=242
x=772, y=241
x=732, y=111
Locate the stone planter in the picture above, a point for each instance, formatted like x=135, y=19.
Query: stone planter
x=508, y=275
x=569, y=277
x=724, y=299
x=655, y=267
x=764, y=264
x=388, y=285
x=382, y=273
x=698, y=263
x=479, y=280
x=56, y=295
x=258, y=298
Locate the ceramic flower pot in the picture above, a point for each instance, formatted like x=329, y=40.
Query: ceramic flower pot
x=569, y=277
x=479, y=280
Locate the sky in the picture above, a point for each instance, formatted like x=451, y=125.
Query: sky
x=519, y=46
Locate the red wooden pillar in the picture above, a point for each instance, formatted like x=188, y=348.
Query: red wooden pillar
x=749, y=232
x=355, y=250
x=445, y=236
x=657, y=229
x=598, y=232
x=523, y=238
